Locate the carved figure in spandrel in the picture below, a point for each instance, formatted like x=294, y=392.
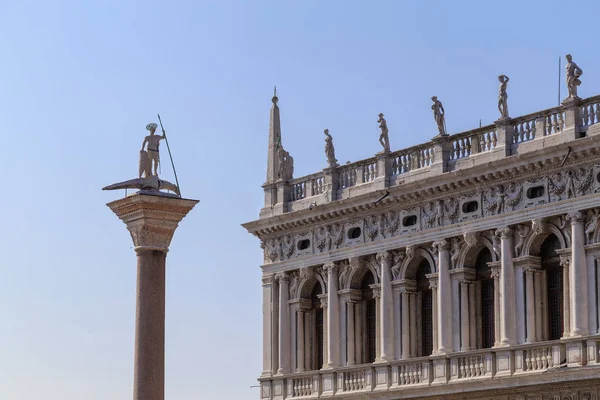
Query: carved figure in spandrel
x=391, y=223
x=429, y=215
x=372, y=227
x=398, y=258
x=455, y=251
x=514, y=195
x=583, y=180
x=591, y=226
x=322, y=238
x=336, y=236
x=522, y=232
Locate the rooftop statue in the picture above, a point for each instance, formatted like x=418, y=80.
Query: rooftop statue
x=573, y=74
x=503, y=97
x=285, y=164
x=384, y=139
x=439, y=115
x=148, y=180
x=330, y=150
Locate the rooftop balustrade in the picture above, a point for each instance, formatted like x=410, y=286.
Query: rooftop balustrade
x=478, y=147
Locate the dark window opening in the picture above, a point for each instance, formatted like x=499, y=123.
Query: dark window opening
x=354, y=233
x=303, y=244
x=410, y=220
x=370, y=318
x=470, y=206
x=426, y=308
x=554, y=286
x=535, y=192
x=483, y=274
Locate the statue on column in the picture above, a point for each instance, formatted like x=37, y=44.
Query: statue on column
x=330, y=150
x=384, y=137
x=573, y=74
x=503, y=97
x=152, y=155
x=285, y=165
x=439, y=116
x=148, y=180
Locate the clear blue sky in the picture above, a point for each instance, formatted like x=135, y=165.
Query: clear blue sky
x=80, y=80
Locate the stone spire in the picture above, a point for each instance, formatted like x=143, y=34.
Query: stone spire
x=274, y=140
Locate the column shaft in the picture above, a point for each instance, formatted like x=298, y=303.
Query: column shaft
x=413, y=325
x=579, y=285
x=434, y=294
x=592, y=306
x=520, y=309
x=566, y=300
x=444, y=299
x=351, y=330
x=405, y=327
x=464, y=316
x=284, y=324
x=333, y=318
x=267, y=324
x=300, y=341
x=539, y=329
x=530, y=306
x=149, y=366
x=386, y=326
x=497, y=320
x=507, y=289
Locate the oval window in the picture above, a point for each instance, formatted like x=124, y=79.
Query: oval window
x=470, y=206
x=303, y=244
x=535, y=192
x=354, y=233
x=409, y=220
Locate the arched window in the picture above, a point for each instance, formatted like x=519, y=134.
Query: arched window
x=485, y=299
x=554, y=286
x=317, y=334
x=425, y=309
x=370, y=313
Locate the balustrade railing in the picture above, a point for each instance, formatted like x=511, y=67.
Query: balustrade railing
x=470, y=366
x=455, y=147
x=302, y=386
x=537, y=358
x=355, y=380
x=410, y=374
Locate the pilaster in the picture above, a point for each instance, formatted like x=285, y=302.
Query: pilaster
x=578, y=276
x=504, y=133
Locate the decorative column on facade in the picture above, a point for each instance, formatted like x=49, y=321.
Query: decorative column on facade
x=377, y=297
x=565, y=264
x=268, y=291
x=433, y=285
x=386, y=326
x=444, y=298
x=405, y=325
x=578, y=287
x=508, y=333
x=530, y=308
x=497, y=320
x=592, y=304
x=300, y=340
x=351, y=346
x=284, y=323
x=333, y=316
x=464, y=316
x=323, y=298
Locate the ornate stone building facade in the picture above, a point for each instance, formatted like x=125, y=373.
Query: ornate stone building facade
x=465, y=267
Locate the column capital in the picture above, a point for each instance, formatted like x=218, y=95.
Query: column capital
x=282, y=277
x=151, y=220
x=576, y=217
x=442, y=244
x=565, y=261
x=268, y=279
x=384, y=257
x=495, y=273
x=505, y=232
x=330, y=267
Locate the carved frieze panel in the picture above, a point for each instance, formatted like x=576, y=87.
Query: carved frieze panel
x=354, y=233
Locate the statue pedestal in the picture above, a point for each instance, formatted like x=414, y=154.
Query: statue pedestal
x=151, y=220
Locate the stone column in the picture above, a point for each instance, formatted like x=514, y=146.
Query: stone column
x=444, y=298
x=520, y=310
x=564, y=262
x=300, y=340
x=578, y=276
x=386, y=327
x=284, y=323
x=351, y=327
x=472, y=318
x=537, y=284
x=464, y=316
x=508, y=333
x=434, y=315
x=497, y=321
x=333, y=316
x=592, y=306
x=268, y=281
x=405, y=326
x=377, y=296
x=530, y=305
x=325, y=331
x=151, y=221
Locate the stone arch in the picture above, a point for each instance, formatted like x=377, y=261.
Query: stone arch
x=534, y=240
x=357, y=274
x=468, y=255
x=408, y=270
x=307, y=285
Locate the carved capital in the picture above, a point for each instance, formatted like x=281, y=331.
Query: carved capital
x=282, y=277
x=433, y=285
x=576, y=217
x=565, y=261
x=441, y=245
x=330, y=268
x=151, y=220
x=505, y=232
x=495, y=273
x=471, y=238
x=384, y=257
x=268, y=280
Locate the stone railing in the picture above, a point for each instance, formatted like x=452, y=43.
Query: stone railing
x=471, y=366
x=445, y=154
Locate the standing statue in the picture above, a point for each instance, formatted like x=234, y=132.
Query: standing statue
x=384, y=139
x=330, y=150
x=285, y=164
x=148, y=181
x=153, y=143
x=503, y=97
x=573, y=74
x=439, y=115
